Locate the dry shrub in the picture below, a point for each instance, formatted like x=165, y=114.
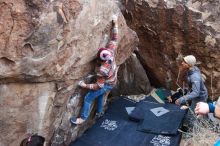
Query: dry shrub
x=203, y=133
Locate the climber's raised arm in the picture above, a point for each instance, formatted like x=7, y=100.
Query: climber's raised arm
x=114, y=34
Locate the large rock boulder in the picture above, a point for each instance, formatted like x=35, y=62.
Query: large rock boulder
x=46, y=47
x=170, y=29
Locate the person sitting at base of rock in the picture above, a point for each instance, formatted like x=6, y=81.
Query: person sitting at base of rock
x=33, y=140
x=197, y=90
x=106, y=77
x=195, y=81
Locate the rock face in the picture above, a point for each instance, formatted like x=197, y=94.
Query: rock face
x=170, y=29
x=46, y=47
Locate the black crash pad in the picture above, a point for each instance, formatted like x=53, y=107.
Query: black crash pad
x=157, y=117
x=114, y=129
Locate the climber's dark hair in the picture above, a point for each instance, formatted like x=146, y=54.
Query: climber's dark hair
x=33, y=140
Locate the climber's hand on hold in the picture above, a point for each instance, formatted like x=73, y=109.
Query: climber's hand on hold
x=114, y=19
x=82, y=84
